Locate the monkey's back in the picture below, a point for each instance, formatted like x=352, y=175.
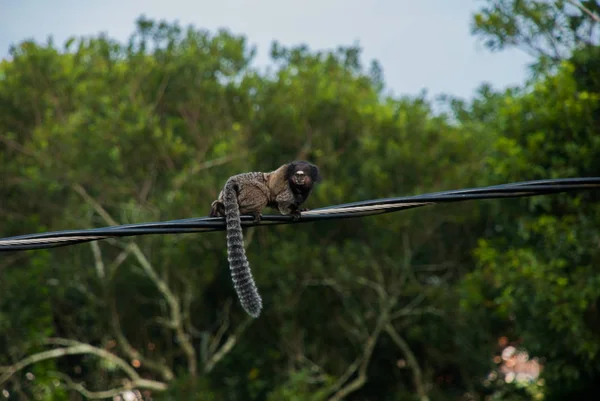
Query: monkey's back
x=253, y=194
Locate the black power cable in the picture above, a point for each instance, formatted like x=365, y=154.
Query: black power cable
x=343, y=211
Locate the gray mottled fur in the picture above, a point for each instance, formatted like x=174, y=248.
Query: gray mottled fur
x=241, y=274
x=250, y=193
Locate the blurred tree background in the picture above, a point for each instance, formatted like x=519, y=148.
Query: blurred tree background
x=442, y=303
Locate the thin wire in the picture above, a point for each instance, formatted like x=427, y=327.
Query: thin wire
x=343, y=211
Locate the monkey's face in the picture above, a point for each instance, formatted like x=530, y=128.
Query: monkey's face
x=300, y=178
x=301, y=174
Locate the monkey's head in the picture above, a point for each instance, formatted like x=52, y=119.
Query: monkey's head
x=302, y=174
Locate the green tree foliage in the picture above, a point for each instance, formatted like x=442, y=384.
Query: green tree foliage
x=104, y=133
x=542, y=265
x=548, y=29
x=398, y=306
x=538, y=272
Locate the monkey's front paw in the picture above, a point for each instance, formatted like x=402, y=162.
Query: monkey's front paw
x=296, y=215
x=257, y=217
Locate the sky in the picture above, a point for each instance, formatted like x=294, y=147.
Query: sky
x=421, y=44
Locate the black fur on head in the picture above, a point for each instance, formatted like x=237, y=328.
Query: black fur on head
x=301, y=173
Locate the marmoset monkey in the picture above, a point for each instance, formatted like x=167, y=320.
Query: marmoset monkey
x=284, y=189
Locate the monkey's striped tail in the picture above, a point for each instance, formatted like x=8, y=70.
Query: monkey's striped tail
x=236, y=255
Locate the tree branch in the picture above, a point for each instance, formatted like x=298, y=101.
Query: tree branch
x=404, y=312
x=226, y=347
x=90, y=349
x=176, y=322
x=350, y=370
x=365, y=359
x=586, y=10
x=132, y=353
x=122, y=341
x=72, y=347
x=98, y=262
x=175, y=311
x=18, y=147
x=97, y=395
x=192, y=171
x=411, y=359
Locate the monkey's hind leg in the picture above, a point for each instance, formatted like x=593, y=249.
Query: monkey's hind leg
x=217, y=209
x=257, y=217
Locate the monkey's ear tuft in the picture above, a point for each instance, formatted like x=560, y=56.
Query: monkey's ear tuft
x=291, y=169
x=315, y=173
